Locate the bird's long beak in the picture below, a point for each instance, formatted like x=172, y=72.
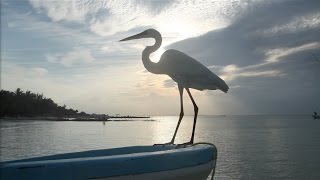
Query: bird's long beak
x=137, y=36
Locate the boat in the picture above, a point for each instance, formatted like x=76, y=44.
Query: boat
x=315, y=117
x=157, y=162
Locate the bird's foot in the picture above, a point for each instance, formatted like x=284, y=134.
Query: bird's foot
x=185, y=144
x=164, y=144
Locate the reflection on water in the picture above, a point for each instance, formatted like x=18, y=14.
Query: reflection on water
x=164, y=130
x=249, y=147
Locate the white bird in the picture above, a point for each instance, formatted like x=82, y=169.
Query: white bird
x=183, y=69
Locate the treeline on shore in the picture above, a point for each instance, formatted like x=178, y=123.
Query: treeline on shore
x=29, y=104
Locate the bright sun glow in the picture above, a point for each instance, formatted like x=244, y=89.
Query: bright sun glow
x=155, y=57
x=178, y=31
x=172, y=33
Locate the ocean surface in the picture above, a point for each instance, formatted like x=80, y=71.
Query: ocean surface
x=249, y=147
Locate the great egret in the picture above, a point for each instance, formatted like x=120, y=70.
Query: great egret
x=183, y=69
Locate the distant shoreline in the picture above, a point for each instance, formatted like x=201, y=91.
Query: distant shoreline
x=109, y=118
x=131, y=117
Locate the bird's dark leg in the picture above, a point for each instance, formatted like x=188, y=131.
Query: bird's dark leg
x=181, y=112
x=180, y=117
x=196, y=109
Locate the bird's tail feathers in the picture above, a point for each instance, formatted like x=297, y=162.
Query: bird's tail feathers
x=224, y=88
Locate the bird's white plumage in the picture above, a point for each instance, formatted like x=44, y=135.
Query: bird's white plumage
x=188, y=72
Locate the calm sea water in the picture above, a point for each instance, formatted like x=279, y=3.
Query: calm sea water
x=249, y=147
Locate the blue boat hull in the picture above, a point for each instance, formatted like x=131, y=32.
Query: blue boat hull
x=137, y=162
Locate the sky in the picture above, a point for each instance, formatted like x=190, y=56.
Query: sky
x=267, y=51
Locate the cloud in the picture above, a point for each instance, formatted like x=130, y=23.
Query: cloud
x=76, y=56
x=72, y=10
x=240, y=45
x=297, y=24
x=232, y=72
x=156, y=6
x=179, y=19
x=261, y=48
x=23, y=72
x=38, y=71
x=169, y=83
x=275, y=55
x=110, y=26
x=266, y=53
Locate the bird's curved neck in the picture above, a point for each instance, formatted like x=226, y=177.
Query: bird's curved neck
x=148, y=64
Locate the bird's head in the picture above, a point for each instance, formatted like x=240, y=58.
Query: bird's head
x=145, y=34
